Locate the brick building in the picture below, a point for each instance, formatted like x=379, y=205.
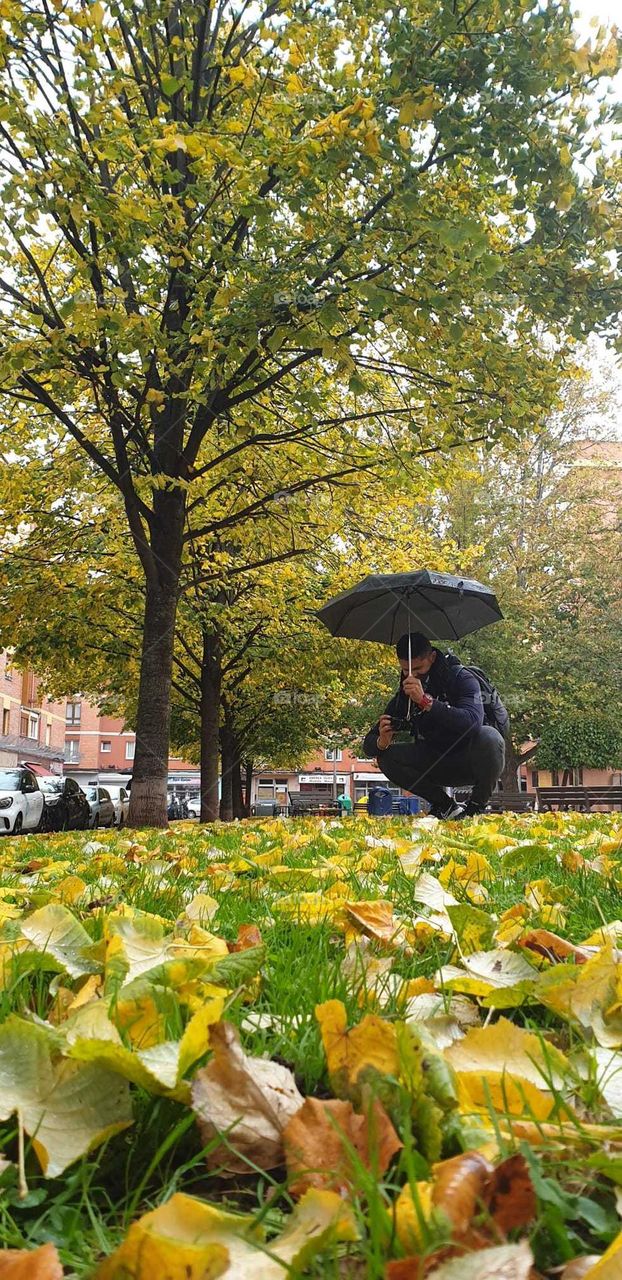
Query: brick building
x=100, y=748
x=33, y=726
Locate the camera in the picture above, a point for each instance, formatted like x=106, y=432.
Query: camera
x=401, y=724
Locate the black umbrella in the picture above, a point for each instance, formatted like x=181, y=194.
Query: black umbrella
x=385, y=606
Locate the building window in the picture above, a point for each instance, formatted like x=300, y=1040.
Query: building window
x=72, y=750
x=130, y=748
x=73, y=712
x=48, y=734
x=105, y=746
x=30, y=725
x=534, y=778
x=6, y=721
x=333, y=755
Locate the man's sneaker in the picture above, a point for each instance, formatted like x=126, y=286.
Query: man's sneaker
x=471, y=810
x=450, y=812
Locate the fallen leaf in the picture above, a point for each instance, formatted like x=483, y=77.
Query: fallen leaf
x=459, y=1186
x=610, y=1265
x=189, y=1239
x=511, y=1197
x=248, y=1099
x=505, y=1262
x=66, y=1107
x=552, y=947
x=248, y=936
x=322, y=1136
x=504, y=1047
x=579, y=1267
x=371, y=1046
x=54, y=932
x=31, y=1264
x=377, y=921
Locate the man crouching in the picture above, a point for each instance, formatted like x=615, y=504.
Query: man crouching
x=440, y=703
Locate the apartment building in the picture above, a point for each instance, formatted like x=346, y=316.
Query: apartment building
x=100, y=748
x=32, y=726
x=325, y=771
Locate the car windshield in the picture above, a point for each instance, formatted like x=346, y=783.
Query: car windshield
x=10, y=779
x=91, y=793
x=51, y=784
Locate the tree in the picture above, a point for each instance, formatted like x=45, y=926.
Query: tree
x=575, y=741
x=542, y=530
x=211, y=209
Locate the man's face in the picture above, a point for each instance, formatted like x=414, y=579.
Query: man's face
x=418, y=666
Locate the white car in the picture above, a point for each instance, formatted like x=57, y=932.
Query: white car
x=194, y=807
x=21, y=801
x=121, y=801
x=101, y=806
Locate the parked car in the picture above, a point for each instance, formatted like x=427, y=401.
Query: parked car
x=101, y=806
x=121, y=801
x=66, y=806
x=21, y=801
x=193, y=806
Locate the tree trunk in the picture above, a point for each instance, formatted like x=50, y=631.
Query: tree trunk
x=238, y=798
x=150, y=771
x=153, y=718
x=227, y=756
x=248, y=783
x=509, y=777
x=211, y=676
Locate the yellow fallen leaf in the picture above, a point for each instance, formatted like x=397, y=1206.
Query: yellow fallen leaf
x=369, y=1046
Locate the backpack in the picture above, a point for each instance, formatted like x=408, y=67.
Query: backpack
x=495, y=712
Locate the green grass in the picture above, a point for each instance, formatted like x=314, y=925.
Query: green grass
x=87, y=1211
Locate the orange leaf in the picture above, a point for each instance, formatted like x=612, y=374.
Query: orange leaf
x=319, y=1138
x=459, y=1187
x=552, y=946
x=248, y=936
x=31, y=1264
x=512, y=1199
x=376, y=920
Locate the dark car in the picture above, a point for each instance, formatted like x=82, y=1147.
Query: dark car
x=66, y=806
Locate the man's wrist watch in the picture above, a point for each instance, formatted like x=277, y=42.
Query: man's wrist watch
x=426, y=702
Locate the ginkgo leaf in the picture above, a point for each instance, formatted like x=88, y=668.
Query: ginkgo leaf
x=325, y=1138
x=189, y=1239
x=250, y=1100
x=67, y=1108
x=31, y=1264
x=55, y=932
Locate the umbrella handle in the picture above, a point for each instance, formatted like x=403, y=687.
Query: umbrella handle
x=410, y=673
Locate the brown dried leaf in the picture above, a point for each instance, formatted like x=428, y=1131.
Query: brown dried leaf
x=552, y=947
x=512, y=1199
x=248, y=1099
x=31, y=1264
x=460, y=1186
x=248, y=936
x=317, y=1138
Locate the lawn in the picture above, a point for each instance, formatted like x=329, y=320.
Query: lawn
x=355, y=1048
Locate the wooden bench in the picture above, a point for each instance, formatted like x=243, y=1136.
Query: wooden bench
x=512, y=802
x=550, y=798
x=313, y=803
x=611, y=796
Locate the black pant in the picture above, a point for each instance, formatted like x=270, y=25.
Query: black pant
x=424, y=770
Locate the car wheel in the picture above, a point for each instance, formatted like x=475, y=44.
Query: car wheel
x=18, y=824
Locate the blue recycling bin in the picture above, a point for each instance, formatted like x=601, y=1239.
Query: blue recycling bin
x=380, y=802
x=409, y=804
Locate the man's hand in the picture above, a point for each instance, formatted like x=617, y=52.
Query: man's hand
x=413, y=688
x=385, y=733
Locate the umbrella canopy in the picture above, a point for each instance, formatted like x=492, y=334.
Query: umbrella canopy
x=385, y=606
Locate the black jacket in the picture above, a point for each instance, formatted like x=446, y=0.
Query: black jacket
x=456, y=713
